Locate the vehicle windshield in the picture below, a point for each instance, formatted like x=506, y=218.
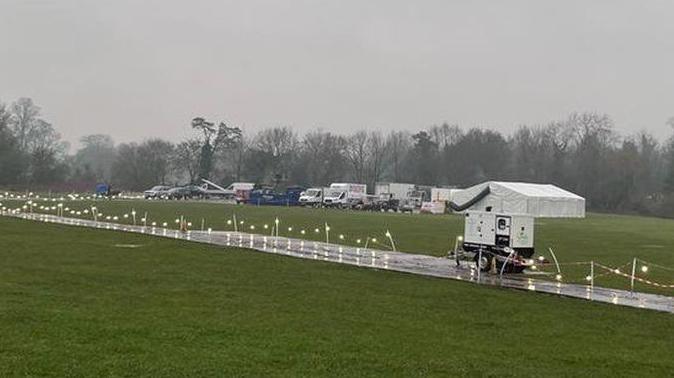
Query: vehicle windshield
x=158, y=187
x=312, y=193
x=335, y=193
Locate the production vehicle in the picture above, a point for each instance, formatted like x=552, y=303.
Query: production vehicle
x=268, y=196
x=105, y=190
x=442, y=194
x=159, y=191
x=312, y=197
x=398, y=191
x=381, y=202
x=345, y=195
x=186, y=192
x=499, y=221
x=412, y=201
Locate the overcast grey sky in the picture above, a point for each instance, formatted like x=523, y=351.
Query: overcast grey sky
x=135, y=69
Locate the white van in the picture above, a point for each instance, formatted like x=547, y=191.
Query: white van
x=312, y=197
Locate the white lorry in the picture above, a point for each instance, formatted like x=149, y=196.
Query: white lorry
x=313, y=197
x=397, y=191
x=345, y=195
x=443, y=194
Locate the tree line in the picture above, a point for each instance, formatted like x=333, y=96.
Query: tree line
x=582, y=153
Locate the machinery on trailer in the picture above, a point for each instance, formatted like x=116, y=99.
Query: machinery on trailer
x=268, y=196
x=211, y=189
x=499, y=221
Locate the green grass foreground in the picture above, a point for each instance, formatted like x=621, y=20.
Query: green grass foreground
x=77, y=301
x=612, y=240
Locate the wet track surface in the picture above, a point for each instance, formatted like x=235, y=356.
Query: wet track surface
x=378, y=259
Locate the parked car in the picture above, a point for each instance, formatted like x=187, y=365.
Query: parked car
x=186, y=192
x=159, y=191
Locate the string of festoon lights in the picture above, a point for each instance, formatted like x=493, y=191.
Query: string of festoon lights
x=633, y=270
x=183, y=224
x=69, y=197
x=634, y=267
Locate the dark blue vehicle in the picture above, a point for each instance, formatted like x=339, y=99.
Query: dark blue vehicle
x=269, y=197
x=105, y=190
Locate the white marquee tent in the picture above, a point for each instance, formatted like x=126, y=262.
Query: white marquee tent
x=538, y=200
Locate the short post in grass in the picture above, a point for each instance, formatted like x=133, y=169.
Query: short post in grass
x=459, y=240
x=358, y=252
x=327, y=233
x=592, y=274
x=133, y=216
x=634, y=271
x=145, y=220
x=559, y=271
x=236, y=228
x=390, y=238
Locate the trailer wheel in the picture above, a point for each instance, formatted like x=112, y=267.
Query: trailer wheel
x=484, y=264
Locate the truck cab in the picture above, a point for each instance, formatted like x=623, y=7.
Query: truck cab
x=312, y=197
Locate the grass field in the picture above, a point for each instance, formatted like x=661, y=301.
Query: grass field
x=77, y=301
x=612, y=240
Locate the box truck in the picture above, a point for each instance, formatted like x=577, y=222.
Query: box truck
x=345, y=195
x=397, y=191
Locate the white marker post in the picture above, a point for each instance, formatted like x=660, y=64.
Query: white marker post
x=634, y=270
x=390, y=238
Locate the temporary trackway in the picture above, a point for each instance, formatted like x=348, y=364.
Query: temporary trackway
x=378, y=259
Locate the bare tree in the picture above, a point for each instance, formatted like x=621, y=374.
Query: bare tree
x=186, y=158
x=96, y=155
x=24, y=115
x=274, y=151
x=357, y=154
x=377, y=155
x=398, y=146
